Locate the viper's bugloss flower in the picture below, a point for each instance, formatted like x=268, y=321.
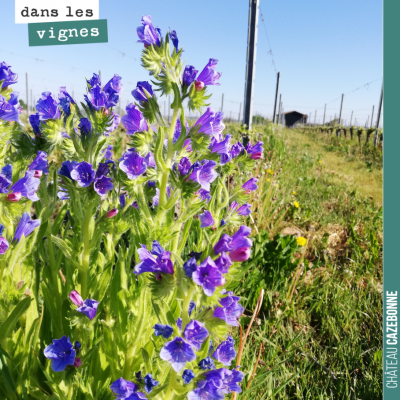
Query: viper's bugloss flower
x=47, y=107
x=163, y=330
x=187, y=376
x=206, y=390
x=7, y=75
x=150, y=160
x=208, y=276
x=114, y=85
x=179, y=323
x=149, y=383
x=112, y=213
x=89, y=308
x=174, y=38
x=10, y=110
x=209, y=76
x=244, y=209
x=206, y=364
x=203, y=173
x=192, y=305
x=66, y=168
x=1, y=229
x=236, y=149
x=195, y=334
x=184, y=166
x=221, y=147
x=230, y=309
x=158, y=260
x=238, y=240
x=223, y=262
x=190, y=266
x=98, y=99
x=6, y=171
x=206, y=219
x=27, y=186
x=77, y=362
x=85, y=127
x=255, y=151
x=63, y=194
x=241, y=254
x=61, y=353
x=102, y=185
x=76, y=298
x=107, y=153
x=83, y=173
x=65, y=100
x=14, y=197
x=102, y=170
x=204, y=195
x=94, y=80
x=148, y=35
x=211, y=123
x=178, y=353
x=134, y=120
x=36, y=124
x=251, y=184
x=3, y=245
x=4, y=183
x=301, y=241
x=189, y=75
x=143, y=89
x=226, y=380
x=132, y=164
x=77, y=345
x=116, y=119
x=225, y=352
x=123, y=388
x=40, y=162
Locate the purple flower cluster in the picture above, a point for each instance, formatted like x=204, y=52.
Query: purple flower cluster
x=255, y=151
x=126, y=390
x=10, y=110
x=156, y=261
x=211, y=123
x=134, y=165
x=133, y=120
x=148, y=35
x=87, y=307
x=238, y=245
x=61, y=353
x=208, y=76
x=6, y=75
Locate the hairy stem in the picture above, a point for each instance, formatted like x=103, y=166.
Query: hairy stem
x=168, y=162
x=186, y=304
x=172, y=380
x=86, y=252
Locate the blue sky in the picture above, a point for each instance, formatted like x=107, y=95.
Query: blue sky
x=322, y=49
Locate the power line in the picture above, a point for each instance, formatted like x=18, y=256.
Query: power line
x=269, y=44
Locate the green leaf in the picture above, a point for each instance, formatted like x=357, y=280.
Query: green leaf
x=12, y=319
x=146, y=360
x=5, y=372
x=67, y=250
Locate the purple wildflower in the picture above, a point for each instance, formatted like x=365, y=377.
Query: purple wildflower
x=211, y=123
x=150, y=160
x=225, y=352
x=27, y=186
x=238, y=240
x=223, y=262
x=94, y=80
x=206, y=390
x=116, y=119
x=98, y=99
x=83, y=173
x=245, y=209
x=230, y=309
x=206, y=219
x=148, y=35
x=204, y=195
x=206, y=363
x=240, y=254
x=123, y=388
x=89, y=308
x=134, y=120
x=143, y=89
x=163, y=330
x=209, y=76
x=251, y=184
x=132, y=164
x=10, y=110
x=195, y=334
x=66, y=168
x=85, y=127
x=158, y=260
x=178, y=353
x=3, y=245
x=6, y=171
x=47, y=107
x=149, y=383
x=208, y=276
x=4, y=183
x=184, y=166
x=192, y=306
x=203, y=173
x=102, y=185
x=221, y=147
x=187, y=376
x=40, y=162
x=236, y=149
x=113, y=85
x=7, y=75
x=189, y=75
x=107, y=153
x=61, y=353
x=65, y=100
x=190, y=266
x=76, y=298
x=173, y=36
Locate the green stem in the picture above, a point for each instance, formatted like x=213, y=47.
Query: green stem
x=172, y=380
x=86, y=252
x=70, y=392
x=186, y=304
x=168, y=162
x=130, y=352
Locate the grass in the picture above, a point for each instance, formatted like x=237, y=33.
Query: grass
x=318, y=335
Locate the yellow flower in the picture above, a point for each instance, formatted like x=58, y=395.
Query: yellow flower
x=296, y=204
x=268, y=180
x=301, y=241
x=269, y=170
x=294, y=193
x=320, y=161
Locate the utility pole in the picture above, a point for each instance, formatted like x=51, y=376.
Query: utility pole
x=279, y=110
x=251, y=62
x=323, y=123
x=341, y=105
x=222, y=104
x=372, y=118
x=315, y=118
x=27, y=96
x=240, y=111
x=351, y=118
x=276, y=95
x=378, y=118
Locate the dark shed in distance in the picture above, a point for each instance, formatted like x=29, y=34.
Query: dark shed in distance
x=293, y=117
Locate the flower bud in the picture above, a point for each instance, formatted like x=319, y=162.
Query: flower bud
x=199, y=85
x=241, y=254
x=14, y=197
x=77, y=345
x=256, y=156
x=248, y=191
x=112, y=213
x=76, y=298
x=38, y=173
x=77, y=362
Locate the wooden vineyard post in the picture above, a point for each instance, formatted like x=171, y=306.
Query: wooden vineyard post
x=276, y=96
x=341, y=106
x=378, y=119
